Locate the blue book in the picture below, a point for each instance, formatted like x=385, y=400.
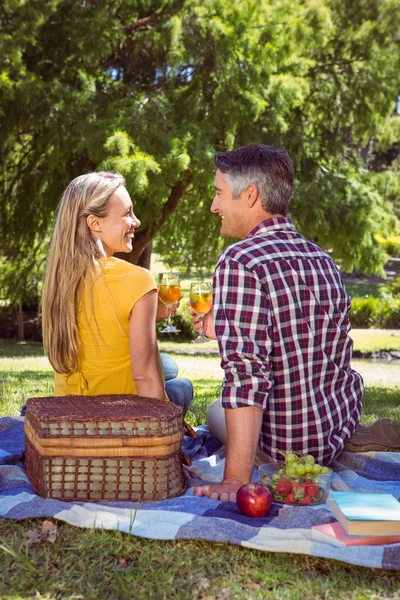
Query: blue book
x=366, y=514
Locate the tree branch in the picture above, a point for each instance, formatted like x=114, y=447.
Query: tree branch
x=143, y=237
x=150, y=20
x=144, y=22
x=327, y=66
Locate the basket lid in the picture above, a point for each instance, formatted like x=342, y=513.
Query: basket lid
x=118, y=407
x=107, y=415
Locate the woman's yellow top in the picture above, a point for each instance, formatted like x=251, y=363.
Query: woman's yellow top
x=106, y=363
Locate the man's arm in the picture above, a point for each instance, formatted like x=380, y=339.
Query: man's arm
x=242, y=320
x=243, y=427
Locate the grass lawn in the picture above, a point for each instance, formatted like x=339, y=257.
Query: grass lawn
x=94, y=565
x=365, y=340
x=372, y=340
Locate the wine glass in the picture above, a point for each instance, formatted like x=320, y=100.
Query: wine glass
x=169, y=291
x=200, y=302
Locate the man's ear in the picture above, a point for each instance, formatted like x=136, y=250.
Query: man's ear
x=93, y=223
x=252, y=194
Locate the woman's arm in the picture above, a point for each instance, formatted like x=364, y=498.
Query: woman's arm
x=143, y=347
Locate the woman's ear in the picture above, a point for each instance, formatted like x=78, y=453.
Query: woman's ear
x=93, y=223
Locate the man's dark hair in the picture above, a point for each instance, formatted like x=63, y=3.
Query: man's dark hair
x=270, y=169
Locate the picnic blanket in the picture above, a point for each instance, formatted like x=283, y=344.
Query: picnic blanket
x=285, y=529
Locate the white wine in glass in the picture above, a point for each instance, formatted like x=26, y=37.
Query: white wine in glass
x=169, y=291
x=200, y=302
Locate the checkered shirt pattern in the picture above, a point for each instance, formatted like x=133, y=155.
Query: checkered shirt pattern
x=281, y=316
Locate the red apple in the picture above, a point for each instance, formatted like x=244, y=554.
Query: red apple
x=254, y=500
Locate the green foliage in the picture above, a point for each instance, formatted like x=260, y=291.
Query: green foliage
x=153, y=89
x=375, y=312
x=394, y=287
x=364, y=312
x=387, y=183
x=183, y=322
x=21, y=276
x=391, y=313
x=343, y=208
x=133, y=164
x=391, y=245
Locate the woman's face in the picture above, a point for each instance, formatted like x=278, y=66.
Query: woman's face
x=117, y=229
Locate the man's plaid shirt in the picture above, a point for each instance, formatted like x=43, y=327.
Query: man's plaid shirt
x=281, y=316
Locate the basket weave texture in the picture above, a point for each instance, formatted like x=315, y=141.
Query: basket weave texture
x=99, y=448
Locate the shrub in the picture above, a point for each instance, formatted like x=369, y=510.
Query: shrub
x=391, y=245
x=375, y=312
x=390, y=315
x=183, y=321
x=394, y=287
x=365, y=312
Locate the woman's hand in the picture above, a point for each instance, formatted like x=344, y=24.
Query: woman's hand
x=163, y=311
x=208, y=323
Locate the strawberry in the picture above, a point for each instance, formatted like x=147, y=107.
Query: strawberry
x=306, y=500
x=283, y=486
x=290, y=499
x=312, y=490
x=299, y=486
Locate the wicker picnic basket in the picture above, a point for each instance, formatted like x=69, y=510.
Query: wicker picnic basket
x=103, y=448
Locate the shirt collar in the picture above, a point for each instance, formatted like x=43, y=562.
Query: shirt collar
x=273, y=224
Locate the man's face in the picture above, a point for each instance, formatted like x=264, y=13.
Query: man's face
x=231, y=210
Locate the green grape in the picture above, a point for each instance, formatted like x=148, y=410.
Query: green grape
x=290, y=458
x=308, y=467
x=276, y=477
x=300, y=469
x=324, y=470
x=316, y=468
x=309, y=459
x=290, y=470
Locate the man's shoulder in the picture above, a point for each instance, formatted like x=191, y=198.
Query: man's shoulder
x=241, y=252
x=261, y=250
x=253, y=250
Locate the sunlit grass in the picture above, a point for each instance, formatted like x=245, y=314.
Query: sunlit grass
x=93, y=564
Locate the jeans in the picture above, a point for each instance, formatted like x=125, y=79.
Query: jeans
x=179, y=389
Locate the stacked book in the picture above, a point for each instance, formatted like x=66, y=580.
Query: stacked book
x=363, y=519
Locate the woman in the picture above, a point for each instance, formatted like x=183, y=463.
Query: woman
x=99, y=312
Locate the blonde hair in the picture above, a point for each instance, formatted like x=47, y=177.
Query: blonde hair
x=73, y=260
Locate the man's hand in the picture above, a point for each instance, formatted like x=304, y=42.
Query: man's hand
x=208, y=323
x=226, y=490
x=163, y=311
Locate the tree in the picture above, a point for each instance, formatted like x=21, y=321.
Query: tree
x=154, y=88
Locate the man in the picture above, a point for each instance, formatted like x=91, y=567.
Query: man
x=281, y=318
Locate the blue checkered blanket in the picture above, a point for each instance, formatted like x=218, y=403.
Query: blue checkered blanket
x=285, y=529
